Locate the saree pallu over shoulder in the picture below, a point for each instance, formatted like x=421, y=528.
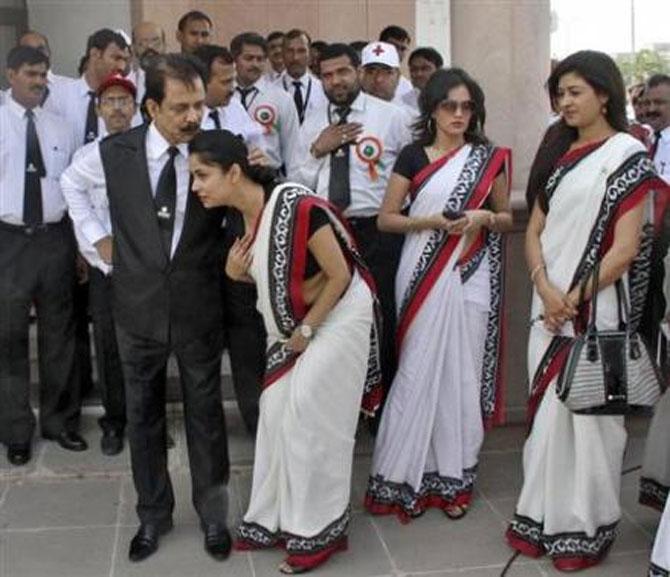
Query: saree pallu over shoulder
x=288, y=215
x=482, y=165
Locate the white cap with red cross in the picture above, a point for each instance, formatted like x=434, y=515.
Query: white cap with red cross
x=380, y=53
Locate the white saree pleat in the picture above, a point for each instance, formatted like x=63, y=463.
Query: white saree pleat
x=660, y=556
x=308, y=417
x=432, y=420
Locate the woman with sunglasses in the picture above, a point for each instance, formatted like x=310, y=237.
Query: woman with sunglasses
x=591, y=208
x=449, y=291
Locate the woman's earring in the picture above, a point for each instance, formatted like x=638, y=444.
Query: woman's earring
x=431, y=124
x=604, y=110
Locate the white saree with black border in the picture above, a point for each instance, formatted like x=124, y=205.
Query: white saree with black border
x=310, y=402
x=660, y=556
x=448, y=384
x=569, y=504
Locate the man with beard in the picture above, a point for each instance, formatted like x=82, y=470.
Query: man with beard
x=148, y=42
x=268, y=105
x=194, y=29
x=116, y=107
x=166, y=301
x=37, y=262
x=303, y=87
x=352, y=147
x=275, y=42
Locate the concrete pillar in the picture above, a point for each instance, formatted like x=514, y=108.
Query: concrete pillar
x=504, y=44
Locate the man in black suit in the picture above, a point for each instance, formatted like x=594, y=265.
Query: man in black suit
x=165, y=285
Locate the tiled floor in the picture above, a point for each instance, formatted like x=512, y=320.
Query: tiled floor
x=72, y=515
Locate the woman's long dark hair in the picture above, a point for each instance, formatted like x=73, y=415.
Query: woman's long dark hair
x=601, y=73
x=224, y=148
x=437, y=91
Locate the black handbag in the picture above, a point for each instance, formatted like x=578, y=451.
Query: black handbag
x=609, y=372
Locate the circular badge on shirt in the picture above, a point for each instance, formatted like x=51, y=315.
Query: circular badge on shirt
x=265, y=115
x=369, y=149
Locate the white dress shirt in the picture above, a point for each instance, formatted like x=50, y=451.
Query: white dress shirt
x=138, y=77
x=98, y=201
x=57, y=144
x=272, y=77
x=313, y=97
x=383, y=123
x=411, y=99
x=235, y=119
x=662, y=156
x=404, y=86
x=70, y=100
x=275, y=111
x=87, y=172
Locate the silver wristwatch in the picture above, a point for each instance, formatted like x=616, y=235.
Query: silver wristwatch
x=306, y=331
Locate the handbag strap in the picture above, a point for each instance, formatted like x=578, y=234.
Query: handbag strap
x=623, y=305
x=595, y=277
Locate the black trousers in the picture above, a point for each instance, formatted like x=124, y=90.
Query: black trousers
x=246, y=345
x=381, y=252
x=144, y=362
x=108, y=362
x=37, y=269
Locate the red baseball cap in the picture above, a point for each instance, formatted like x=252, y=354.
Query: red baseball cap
x=117, y=80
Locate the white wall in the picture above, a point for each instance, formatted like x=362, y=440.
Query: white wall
x=68, y=23
x=433, y=26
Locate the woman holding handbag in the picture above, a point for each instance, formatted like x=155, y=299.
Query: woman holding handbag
x=590, y=211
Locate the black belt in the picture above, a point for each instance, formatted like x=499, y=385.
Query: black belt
x=30, y=230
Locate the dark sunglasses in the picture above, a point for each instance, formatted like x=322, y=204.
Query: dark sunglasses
x=451, y=106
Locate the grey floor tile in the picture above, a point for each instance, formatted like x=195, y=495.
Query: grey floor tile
x=11, y=472
x=435, y=543
x=500, y=475
x=507, y=439
x=65, y=503
x=519, y=569
x=646, y=517
x=181, y=554
x=633, y=564
x=359, y=481
x=242, y=481
x=57, y=553
x=504, y=507
x=184, y=513
x=365, y=556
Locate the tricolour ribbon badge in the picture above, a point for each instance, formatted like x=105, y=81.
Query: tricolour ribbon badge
x=369, y=149
x=266, y=116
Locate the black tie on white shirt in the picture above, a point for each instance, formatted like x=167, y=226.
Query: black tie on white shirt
x=32, y=191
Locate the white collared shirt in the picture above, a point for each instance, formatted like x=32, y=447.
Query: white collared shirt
x=404, y=86
x=87, y=172
x=662, y=156
x=273, y=76
x=410, y=99
x=57, y=144
x=275, y=111
x=385, y=125
x=235, y=119
x=313, y=97
x=70, y=100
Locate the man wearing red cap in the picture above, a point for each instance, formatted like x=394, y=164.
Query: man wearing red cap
x=116, y=107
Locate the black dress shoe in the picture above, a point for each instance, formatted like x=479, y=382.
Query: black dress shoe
x=111, y=442
x=217, y=541
x=145, y=541
x=69, y=440
x=19, y=454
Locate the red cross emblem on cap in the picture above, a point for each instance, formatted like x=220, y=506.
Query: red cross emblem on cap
x=378, y=50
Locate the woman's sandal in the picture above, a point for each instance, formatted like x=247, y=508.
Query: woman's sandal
x=455, y=512
x=315, y=560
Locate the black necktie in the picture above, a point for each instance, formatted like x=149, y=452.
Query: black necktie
x=244, y=94
x=654, y=146
x=166, y=200
x=91, y=130
x=297, y=98
x=32, y=190
x=339, y=187
x=214, y=115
